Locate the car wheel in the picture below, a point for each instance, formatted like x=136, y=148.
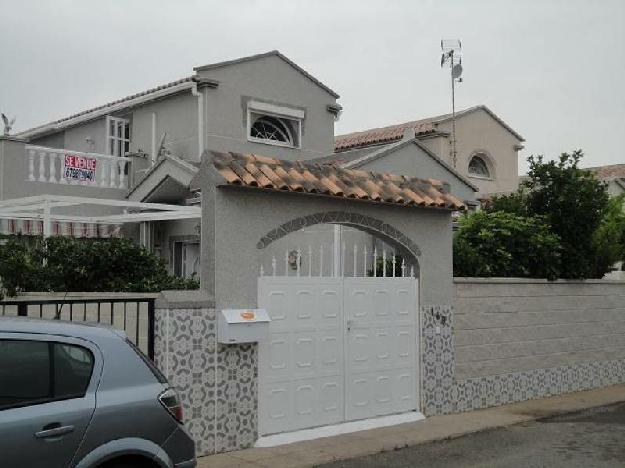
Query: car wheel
x=130, y=462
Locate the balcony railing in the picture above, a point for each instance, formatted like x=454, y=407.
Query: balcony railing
x=62, y=166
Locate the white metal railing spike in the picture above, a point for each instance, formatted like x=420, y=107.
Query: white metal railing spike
x=394, y=263
x=321, y=260
x=297, y=261
x=364, y=263
x=375, y=261
x=383, y=263
x=309, y=260
x=273, y=265
x=412, y=271
x=286, y=262
x=403, y=267
x=355, y=259
x=262, y=271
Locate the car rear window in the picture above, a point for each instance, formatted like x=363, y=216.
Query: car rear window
x=148, y=362
x=34, y=372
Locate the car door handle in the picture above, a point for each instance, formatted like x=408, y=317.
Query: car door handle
x=56, y=431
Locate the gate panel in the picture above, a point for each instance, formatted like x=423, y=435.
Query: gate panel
x=301, y=364
x=340, y=349
x=381, y=346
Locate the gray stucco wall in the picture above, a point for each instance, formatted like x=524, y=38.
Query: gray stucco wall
x=270, y=80
x=412, y=161
x=177, y=116
x=516, y=326
x=242, y=217
x=76, y=137
x=54, y=140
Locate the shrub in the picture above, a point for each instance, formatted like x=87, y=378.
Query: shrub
x=573, y=203
x=609, y=238
x=68, y=264
x=507, y=245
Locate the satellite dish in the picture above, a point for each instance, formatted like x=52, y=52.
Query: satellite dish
x=456, y=70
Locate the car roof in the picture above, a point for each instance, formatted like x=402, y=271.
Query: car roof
x=85, y=330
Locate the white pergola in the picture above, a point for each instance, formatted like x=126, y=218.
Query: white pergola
x=42, y=207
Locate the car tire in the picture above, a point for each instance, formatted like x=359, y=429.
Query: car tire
x=130, y=463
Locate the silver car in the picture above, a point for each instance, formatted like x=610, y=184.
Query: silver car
x=84, y=396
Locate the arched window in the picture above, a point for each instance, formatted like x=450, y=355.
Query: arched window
x=478, y=167
x=275, y=130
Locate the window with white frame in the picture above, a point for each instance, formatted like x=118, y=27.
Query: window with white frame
x=274, y=125
x=186, y=259
x=117, y=136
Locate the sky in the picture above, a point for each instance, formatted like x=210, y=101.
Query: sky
x=552, y=69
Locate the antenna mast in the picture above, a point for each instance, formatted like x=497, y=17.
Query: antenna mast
x=452, y=55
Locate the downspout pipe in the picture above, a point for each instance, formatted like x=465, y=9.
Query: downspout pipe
x=199, y=93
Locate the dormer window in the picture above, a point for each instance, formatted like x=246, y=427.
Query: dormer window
x=478, y=167
x=274, y=125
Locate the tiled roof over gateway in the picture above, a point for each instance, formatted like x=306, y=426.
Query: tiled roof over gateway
x=274, y=174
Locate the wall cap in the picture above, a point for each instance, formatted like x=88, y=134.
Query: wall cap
x=459, y=280
x=193, y=299
x=42, y=295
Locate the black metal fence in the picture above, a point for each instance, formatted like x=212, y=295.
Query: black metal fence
x=133, y=315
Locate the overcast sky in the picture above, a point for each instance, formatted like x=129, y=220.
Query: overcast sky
x=553, y=70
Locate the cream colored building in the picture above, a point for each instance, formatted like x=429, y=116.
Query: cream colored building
x=487, y=148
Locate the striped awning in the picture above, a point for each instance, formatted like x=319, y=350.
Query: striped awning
x=34, y=227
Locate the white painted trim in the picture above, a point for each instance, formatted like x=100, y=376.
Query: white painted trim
x=116, y=139
x=36, y=208
x=154, y=151
x=337, y=429
x=200, y=118
x=280, y=111
x=108, y=157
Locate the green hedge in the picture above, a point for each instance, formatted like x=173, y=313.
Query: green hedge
x=506, y=245
x=68, y=264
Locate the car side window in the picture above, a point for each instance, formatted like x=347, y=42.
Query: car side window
x=72, y=370
x=35, y=372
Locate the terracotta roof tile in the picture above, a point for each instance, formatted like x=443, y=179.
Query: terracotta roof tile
x=381, y=135
x=274, y=174
x=613, y=171
x=391, y=133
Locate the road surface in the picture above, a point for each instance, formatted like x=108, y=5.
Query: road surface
x=592, y=438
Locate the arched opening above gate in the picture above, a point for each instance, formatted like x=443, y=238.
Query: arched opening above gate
x=338, y=244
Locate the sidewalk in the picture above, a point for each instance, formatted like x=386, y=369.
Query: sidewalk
x=314, y=452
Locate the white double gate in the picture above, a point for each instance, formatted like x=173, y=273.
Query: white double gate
x=340, y=349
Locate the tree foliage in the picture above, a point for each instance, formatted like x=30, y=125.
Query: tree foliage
x=574, y=204
x=506, y=245
x=68, y=264
x=609, y=238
